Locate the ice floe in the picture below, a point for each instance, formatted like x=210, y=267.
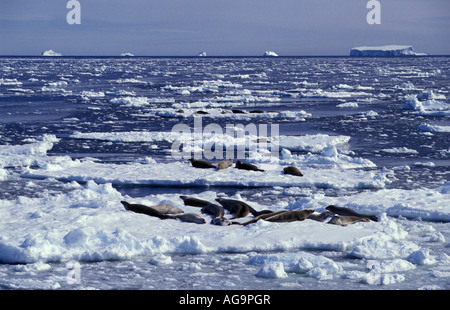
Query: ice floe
x=10, y=82
x=433, y=128
x=31, y=154
x=428, y=107
x=182, y=174
x=329, y=169
x=90, y=224
x=426, y=204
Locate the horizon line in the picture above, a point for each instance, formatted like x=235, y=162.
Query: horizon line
x=225, y=56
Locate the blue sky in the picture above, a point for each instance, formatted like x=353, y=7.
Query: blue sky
x=220, y=27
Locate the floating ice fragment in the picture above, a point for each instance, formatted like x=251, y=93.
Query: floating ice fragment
x=272, y=270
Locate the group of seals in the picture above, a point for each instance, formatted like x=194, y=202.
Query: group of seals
x=341, y=216
x=239, y=209
x=215, y=210
x=224, y=164
x=280, y=216
x=236, y=207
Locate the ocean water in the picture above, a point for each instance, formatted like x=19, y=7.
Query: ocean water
x=395, y=110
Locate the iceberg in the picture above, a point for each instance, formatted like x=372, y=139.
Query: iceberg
x=385, y=51
x=201, y=54
x=51, y=53
x=270, y=54
x=127, y=55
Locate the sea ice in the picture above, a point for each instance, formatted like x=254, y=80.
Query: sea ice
x=430, y=107
x=433, y=128
x=90, y=224
x=272, y=270
x=316, y=266
x=130, y=101
x=427, y=204
x=10, y=82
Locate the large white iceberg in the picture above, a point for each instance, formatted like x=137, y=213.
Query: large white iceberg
x=201, y=54
x=270, y=54
x=51, y=53
x=387, y=50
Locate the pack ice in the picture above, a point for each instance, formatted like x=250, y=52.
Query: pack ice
x=88, y=223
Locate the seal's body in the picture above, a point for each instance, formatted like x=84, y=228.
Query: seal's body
x=246, y=166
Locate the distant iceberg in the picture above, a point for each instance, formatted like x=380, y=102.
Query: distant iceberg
x=51, y=53
x=126, y=55
x=385, y=51
x=270, y=54
x=201, y=54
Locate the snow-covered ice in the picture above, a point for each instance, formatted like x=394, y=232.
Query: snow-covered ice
x=93, y=226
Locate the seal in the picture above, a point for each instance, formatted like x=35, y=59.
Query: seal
x=320, y=217
x=224, y=164
x=188, y=217
x=138, y=208
x=292, y=170
x=220, y=221
x=344, y=220
x=281, y=216
x=218, y=213
x=214, y=209
x=246, y=166
x=262, y=140
x=237, y=205
x=349, y=212
x=239, y=208
x=194, y=202
x=167, y=209
x=201, y=164
x=185, y=217
x=236, y=111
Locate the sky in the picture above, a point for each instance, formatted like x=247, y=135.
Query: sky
x=220, y=27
